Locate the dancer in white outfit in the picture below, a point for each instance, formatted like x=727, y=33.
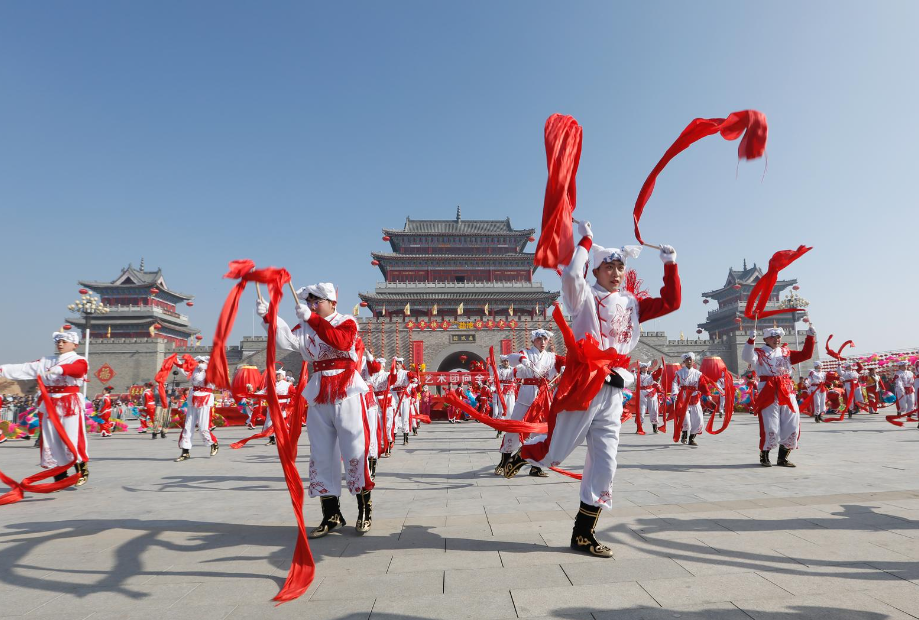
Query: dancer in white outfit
x=198, y=411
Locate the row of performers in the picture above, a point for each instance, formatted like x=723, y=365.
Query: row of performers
x=586, y=406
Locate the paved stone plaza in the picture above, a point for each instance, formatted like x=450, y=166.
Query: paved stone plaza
x=697, y=533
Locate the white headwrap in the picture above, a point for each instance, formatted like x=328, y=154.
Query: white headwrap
x=71, y=336
x=689, y=356
x=380, y=360
x=644, y=364
x=817, y=364
x=607, y=255
x=400, y=360
x=322, y=290
x=540, y=333
x=202, y=359
x=769, y=332
x=902, y=363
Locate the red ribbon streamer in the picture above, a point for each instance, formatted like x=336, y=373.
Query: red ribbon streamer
x=749, y=123
x=507, y=426
x=494, y=370
x=302, y=568
x=188, y=364
x=17, y=489
x=728, y=397
x=563, y=154
x=759, y=296
x=837, y=354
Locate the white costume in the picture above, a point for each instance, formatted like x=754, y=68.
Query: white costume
x=371, y=409
x=612, y=319
x=64, y=376
x=849, y=377
x=904, y=389
x=648, y=403
x=816, y=385
x=379, y=382
x=533, y=368
x=282, y=388
x=689, y=381
x=198, y=409
x=508, y=390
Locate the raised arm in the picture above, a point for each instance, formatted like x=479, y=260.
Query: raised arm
x=575, y=290
x=806, y=352
x=670, y=296
x=749, y=350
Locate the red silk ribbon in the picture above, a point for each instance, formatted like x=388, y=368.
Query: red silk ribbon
x=749, y=123
x=762, y=290
x=563, y=154
x=728, y=397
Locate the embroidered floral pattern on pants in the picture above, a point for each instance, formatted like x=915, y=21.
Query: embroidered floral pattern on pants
x=316, y=486
x=354, y=476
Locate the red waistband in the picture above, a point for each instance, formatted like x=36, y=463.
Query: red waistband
x=383, y=393
x=203, y=389
x=63, y=389
x=532, y=381
x=507, y=382
x=338, y=363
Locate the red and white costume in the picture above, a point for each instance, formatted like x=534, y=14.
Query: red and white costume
x=689, y=386
x=282, y=388
x=648, y=403
x=149, y=410
x=508, y=389
x=336, y=424
x=904, y=387
x=850, y=379
x=776, y=402
x=816, y=385
x=64, y=376
x=105, y=412
x=198, y=407
x=612, y=319
x=369, y=369
x=535, y=369
x=386, y=403
x=404, y=397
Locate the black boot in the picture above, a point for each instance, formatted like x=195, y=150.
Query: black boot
x=404, y=438
x=514, y=464
x=372, y=464
x=692, y=440
x=364, y=508
x=331, y=517
x=817, y=419
x=783, y=457
x=415, y=431
x=582, y=537
x=764, y=458
x=184, y=456
x=60, y=477
x=214, y=447
x=163, y=434
x=537, y=472
x=684, y=436
x=271, y=441
x=505, y=457
x=153, y=436
x=654, y=428
x=84, y=474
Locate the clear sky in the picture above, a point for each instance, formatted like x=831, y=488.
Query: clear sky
x=193, y=133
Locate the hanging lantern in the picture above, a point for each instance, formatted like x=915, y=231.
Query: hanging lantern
x=531, y=239
x=83, y=291
x=699, y=331
x=796, y=288
x=199, y=337
x=385, y=237
x=375, y=263
x=154, y=291
x=67, y=327
x=736, y=287
x=364, y=304
x=462, y=359
x=189, y=303
x=705, y=301
x=738, y=320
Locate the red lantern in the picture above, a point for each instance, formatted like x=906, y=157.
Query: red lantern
x=712, y=367
x=806, y=320
x=157, y=326
x=705, y=301
x=154, y=291
x=375, y=263
x=699, y=331
x=462, y=359
x=199, y=337
x=531, y=239
x=363, y=304
x=67, y=327
x=796, y=288
x=738, y=320
x=83, y=291
x=189, y=303
x=736, y=287
x=245, y=375
x=385, y=237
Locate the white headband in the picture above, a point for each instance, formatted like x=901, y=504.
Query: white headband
x=202, y=359
x=322, y=290
x=689, y=356
x=769, y=332
x=607, y=255
x=71, y=336
x=540, y=333
x=380, y=360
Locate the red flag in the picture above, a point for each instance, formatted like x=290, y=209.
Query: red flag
x=563, y=154
x=759, y=296
x=752, y=146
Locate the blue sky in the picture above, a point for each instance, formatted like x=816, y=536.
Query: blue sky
x=193, y=133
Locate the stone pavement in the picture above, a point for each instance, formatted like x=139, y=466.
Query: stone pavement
x=697, y=533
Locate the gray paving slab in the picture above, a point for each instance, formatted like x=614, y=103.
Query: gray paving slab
x=695, y=533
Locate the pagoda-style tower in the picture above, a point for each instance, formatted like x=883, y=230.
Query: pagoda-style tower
x=139, y=300
x=435, y=266
x=732, y=299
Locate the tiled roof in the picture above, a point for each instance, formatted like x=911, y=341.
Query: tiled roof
x=525, y=256
x=130, y=277
x=530, y=296
x=460, y=226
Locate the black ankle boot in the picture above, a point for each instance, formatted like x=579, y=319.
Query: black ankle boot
x=364, y=508
x=404, y=438
x=184, y=456
x=83, y=470
x=783, y=457
x=505, y=457
x=514, y=464
x=692, y=440
x=654, y=428
x=331, y=516
x=764, y=458
x=372, y=463
x=684, y=436
x=537, y=472
x=582, y=537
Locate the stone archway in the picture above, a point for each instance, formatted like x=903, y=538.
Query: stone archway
x=450, y=355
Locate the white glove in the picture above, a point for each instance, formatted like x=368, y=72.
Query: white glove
x=585, y=230
x=811, y=331
x=261, y=307
x=752, y=334
x=668, y=254
x=303, y=312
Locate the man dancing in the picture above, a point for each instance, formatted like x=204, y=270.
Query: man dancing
x=776, y=405
x=611, y=316
x=849, y=377
x=536, y=368
x=198, y=411
x=335, y=424
x=816, y=386
x=63, y=375
x=904, y=389
x=689, y=385
x=650, y=388
x=105, y=412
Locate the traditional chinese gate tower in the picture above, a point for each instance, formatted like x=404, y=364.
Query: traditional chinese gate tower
x=452, y=289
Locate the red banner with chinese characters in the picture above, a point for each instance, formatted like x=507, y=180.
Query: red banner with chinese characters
x=418, y=353
x=507, y=346
x=105, y=373
x=453, y=378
